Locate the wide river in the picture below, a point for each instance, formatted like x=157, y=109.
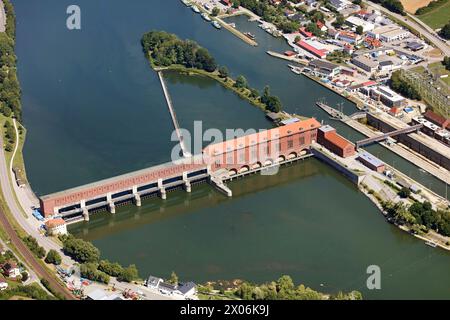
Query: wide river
x=93, y=109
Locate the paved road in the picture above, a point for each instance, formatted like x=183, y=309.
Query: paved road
x=2, y=17
x=30, y=259
x=427, y=32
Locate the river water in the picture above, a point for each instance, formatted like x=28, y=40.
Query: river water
x=93, y=109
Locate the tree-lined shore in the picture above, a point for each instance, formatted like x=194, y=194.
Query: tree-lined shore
x=166, y=51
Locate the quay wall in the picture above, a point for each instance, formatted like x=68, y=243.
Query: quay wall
x=409, y=141
x=349, y=174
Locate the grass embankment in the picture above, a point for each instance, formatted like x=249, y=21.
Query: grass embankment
x=437, y=17
x=227, y=82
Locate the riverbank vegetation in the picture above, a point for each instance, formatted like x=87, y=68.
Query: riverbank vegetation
x=419, y=217
x=399, y=85
x=167, y=52
x=91, y=267
x=282, y=289
x=9, y=84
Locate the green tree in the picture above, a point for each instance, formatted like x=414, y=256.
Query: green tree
x=266, y=94
x=129, y=274
x=24, y=276
x=89, y=271
x=241, y=82
x=445, y=31
x=173, y=278
x=223, y=72
x=80, y=250
x=404, y=192
x=273, y=104
x=53, y=257
x=112, y=269
x=340, y=20
x=236, y=4
x=359, y=30
x=215, y=11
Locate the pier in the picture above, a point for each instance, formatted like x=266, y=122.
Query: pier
x=284, y=57
x=173, y=115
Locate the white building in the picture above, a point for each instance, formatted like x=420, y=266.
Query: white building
x=3, y=285
x=388, y=33
x=56, y=227
x=355, y=22
x=339, y=5
x=186, y=290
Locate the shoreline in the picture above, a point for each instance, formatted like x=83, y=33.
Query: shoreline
x=402, y=227
x=227, y=83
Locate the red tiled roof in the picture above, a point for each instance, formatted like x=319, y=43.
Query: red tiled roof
x=310, y=48
x=261, y=137
x=54, y=223
x=337, y=140
x=437, y=119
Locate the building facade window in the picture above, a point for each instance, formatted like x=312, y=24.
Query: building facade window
x=290, y=144
x=302, y=140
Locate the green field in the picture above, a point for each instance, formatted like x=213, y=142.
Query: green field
x=438, y=17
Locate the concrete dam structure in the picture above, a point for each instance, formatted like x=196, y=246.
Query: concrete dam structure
x=217, y=163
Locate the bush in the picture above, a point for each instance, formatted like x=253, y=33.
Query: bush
x=33, y=291
x=33, y=245
x=24, y=276
x=404, y=193
x=53, y=257
x=47, y=286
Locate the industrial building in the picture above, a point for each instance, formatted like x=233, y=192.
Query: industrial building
x=328, y=137
x=365, y=63
x=325, y=68
x=387, y=96
x=356, y=22
x=371, y=162
x=389, y=33
x=319, y=53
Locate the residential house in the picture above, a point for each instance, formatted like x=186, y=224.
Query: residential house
x=10, y=269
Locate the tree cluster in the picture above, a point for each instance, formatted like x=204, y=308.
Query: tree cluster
x=446, y=63
x=165, y=49
x=114, y=269
x=273, y=14
x=445, y=31
x=420, y=216
x=80, y=250
x=392, y=5
x=89, y=271
x=34, y=247
x=53, y=257
x=9, y=84
x=399, y=85
x=33, y=291
x=284, y=289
